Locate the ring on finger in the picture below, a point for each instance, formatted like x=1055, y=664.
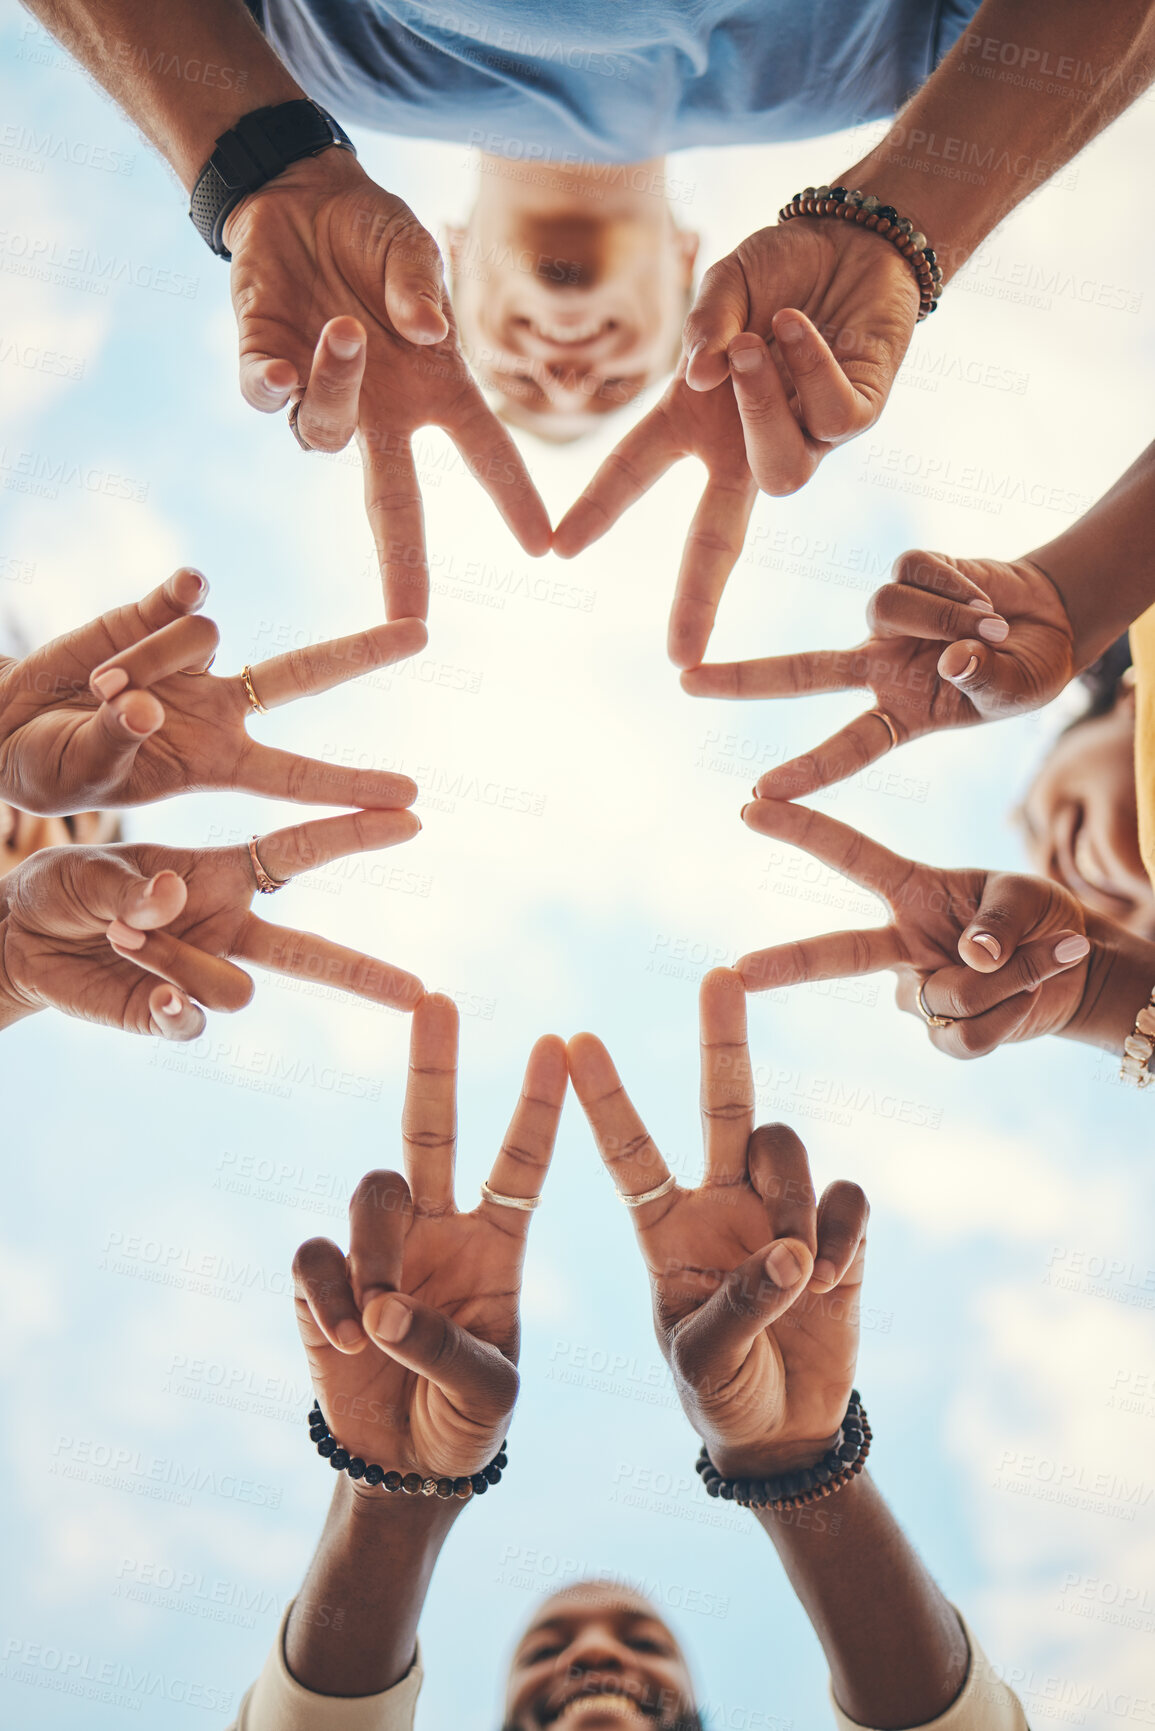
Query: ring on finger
x=524, y=1204
x=266, y=885
x=294, y=411
x=255, y=704
x=888, y=724
x=928, y=1015
x=199, y=672
x=659, y=1190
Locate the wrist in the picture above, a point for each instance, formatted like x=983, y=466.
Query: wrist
x=331, y=172
x=950, y=228
x=1120, y=975
x=13, y=1007
x=770, y=1460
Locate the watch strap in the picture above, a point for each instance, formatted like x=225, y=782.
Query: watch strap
x=254, y=151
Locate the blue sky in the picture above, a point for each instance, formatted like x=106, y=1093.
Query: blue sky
x=155, y=1196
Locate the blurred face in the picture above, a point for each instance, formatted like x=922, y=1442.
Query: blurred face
x=598, y=1658
x=568, y=313
x=1081, y=819
x=22, y=834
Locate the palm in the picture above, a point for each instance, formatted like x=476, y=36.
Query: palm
x=56, y=951
x=470, y=1271
x=800, y=1368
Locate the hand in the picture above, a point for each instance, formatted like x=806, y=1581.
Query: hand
x=322, y=243
x=755, y=1287
x=759, y=338
x=413, y=1338
x=96, y=932
x=122, y=712
x=1006, y=958
x=1010, y=649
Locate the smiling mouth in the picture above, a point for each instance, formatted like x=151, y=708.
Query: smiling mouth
x=612, y=1694
x=571, y=336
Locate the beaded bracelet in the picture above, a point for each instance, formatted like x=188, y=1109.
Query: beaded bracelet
x=809, y=1484
x=869, y=212
x=1139, y=1047
x=411, y=1484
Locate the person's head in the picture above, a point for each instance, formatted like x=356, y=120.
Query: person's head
x=1080, y=814
x=570, y=286
x=598, y=1657
x=22, y=834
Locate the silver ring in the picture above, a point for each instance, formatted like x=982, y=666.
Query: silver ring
x=294, y=410
x=660, y=1190
x=928, y=1015
x=524, y=1204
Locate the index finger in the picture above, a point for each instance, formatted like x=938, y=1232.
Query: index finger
x=496, y=462
x=625, y=1145
x=847, y=850
x=397, y=521
x=320, y=666
x=429, y=1115
x=856, y=746
x=630, y=470
x=303, y=846
x=798, y=675
x=713, y=545
x=523, y=1159
x=727, y=1082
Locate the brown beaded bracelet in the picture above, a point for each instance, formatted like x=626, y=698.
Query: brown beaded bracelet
x=411, y=1484
x=808, y=1485
x=882, y=219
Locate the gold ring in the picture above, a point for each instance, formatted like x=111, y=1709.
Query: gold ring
x=266, y=884
x=524, y=1204
x=255, y=703
x=294, y=410
x=662, y=1189
x=888, y=724
x=199, y=672
x=928, y=1015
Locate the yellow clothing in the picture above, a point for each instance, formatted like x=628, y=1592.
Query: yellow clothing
x=1143, y=654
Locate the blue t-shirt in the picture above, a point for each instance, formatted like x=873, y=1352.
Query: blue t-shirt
x=611, y=80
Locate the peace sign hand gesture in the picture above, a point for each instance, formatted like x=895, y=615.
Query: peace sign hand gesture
x=413, y=1338
x=953, y=642
x=139, y=937
x=755, y=1284
x=123, y=712
x=993, y=957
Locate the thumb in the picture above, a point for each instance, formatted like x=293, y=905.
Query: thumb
x=718, y=315
x=472, y=1374
x=100, y=753
x=415, y=297
x=713, y=1344
x=981, y=675
x=76, y=887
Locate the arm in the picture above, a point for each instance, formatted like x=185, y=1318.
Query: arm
x=896, y=1650
x=1103, y=565
x=127, y=44
x=1089, y=63
x=1120, y=978
x=353, y=1627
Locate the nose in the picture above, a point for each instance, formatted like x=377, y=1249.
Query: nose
x=594, y=1647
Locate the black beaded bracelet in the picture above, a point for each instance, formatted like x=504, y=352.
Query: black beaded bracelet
x=410, y=1484
x=869, y=212
x=809, y=1484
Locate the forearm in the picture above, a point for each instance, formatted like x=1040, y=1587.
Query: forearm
x=896, y=1650
x=13, y=1008
x=184, y=72
x=1104, y=565
x=1120, y=979
x=970, y=144
x=353, y=1627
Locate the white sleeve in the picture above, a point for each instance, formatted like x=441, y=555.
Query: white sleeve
x=986, y=1703
x=277, y=1702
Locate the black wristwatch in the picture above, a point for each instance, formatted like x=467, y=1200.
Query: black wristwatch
x=258, y=148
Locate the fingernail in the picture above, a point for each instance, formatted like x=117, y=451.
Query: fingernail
x=991, y=945
x=107, y=685
x=393, y=1321
x=149, y=889
x=981, y=605
x=994, y=629
x=745, y=360
x=125, y=936
x=825, y=1273
x=1071, y=949
x=790, y=331
x=745, y=809
x=696, y=350
x=783, y=1267
x=171, y=1005
x=137, y=732
x=350, y=1334
x=967, y=672
x=345, y=348
x=191, y=582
